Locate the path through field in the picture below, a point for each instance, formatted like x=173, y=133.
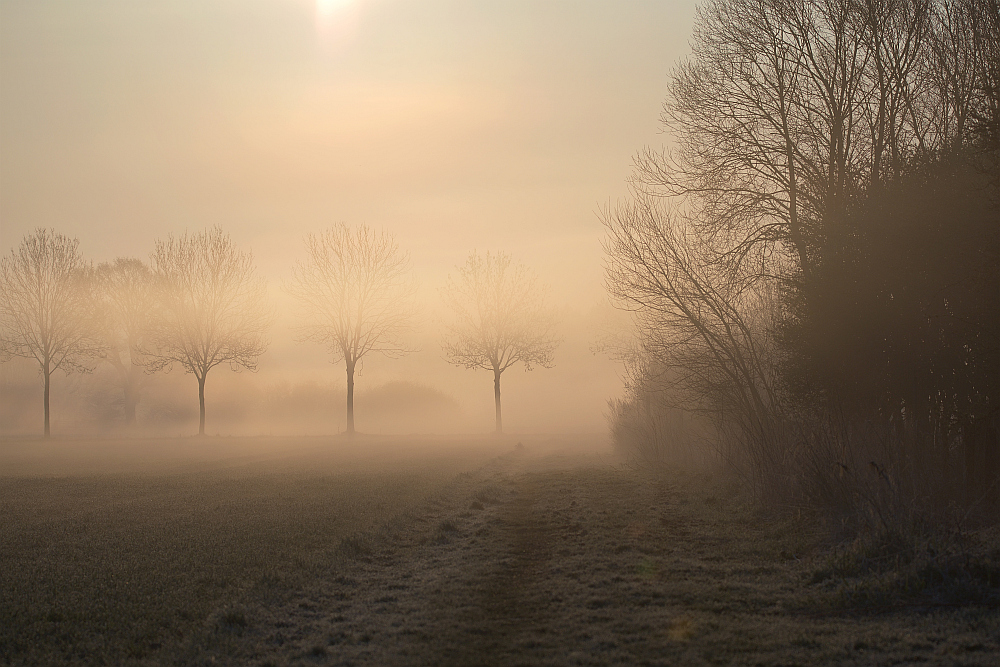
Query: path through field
x=561, y=559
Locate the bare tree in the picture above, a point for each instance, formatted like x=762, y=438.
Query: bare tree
x=211, y=308
x=964, y=69
x=45, y=307
x=785, y=111
x=708, y=332
x=124, y=291
x=951, y=67
x=795, y=123
x=985, y=114
x=502, y=319
x=355, y=289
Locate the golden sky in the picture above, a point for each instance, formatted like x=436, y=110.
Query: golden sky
x=454, y=124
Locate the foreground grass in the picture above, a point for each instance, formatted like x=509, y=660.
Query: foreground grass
x=108, y=569
x=454, y=556
x=929, y=568
x=531, y=562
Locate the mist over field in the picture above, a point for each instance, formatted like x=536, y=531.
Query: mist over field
x=298, y=390
x=456, y=332
x=454, y=127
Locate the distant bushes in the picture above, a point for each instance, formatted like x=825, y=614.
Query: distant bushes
x=394, y=407
x=648, y=426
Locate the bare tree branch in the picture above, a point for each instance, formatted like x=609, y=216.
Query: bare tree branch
x=355, y=291
x=211, y=308
x=125, y=295
x=501, y=319
x=45, y=307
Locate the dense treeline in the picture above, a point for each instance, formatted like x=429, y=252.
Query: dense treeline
x=199, y=303
x=814, y=265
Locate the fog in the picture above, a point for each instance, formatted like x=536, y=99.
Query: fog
x=455, y=127
x=298, y=391
x=523, y=332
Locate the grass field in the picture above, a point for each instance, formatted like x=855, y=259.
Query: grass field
x=420, y=552
x=110, y=551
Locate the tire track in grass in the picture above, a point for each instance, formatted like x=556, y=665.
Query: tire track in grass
x=529, y=551
x=510, y=610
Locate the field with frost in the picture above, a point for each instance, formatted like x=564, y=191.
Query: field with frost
x=385, y=551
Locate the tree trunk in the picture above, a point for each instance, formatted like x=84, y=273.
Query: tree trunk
x=496, y=394
x=48, y=374
x=127, y=373
x=201, y=403
x=350, y=397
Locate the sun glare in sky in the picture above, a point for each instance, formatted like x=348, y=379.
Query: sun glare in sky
x=329, y=7
x=334, y=18
x=455, y=125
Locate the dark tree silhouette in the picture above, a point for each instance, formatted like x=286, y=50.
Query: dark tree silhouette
x=902, y=318
x=788, y=109
x=502, y=319
x=211, y=308
x=816, y=144
x=45, y=307
x=354, y=288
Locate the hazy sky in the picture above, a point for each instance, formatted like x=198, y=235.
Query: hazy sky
x=454, y=124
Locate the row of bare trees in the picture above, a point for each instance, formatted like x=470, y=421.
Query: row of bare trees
x=814, y=261
x=200, y=303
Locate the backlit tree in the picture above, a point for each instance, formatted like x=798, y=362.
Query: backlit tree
x=124, y=291
x=354, y=289
x=211, y=308
x=45, y=309
x=501, y=319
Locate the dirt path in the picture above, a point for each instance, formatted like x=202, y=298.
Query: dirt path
x=562, y=561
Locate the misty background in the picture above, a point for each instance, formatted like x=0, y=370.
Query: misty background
x=454, y=126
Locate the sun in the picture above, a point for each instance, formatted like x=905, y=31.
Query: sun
x=336, y=21
x=326, y=9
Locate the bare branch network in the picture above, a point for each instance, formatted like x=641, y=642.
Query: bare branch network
x=211, y=305
x=124, y=298
x=817, y=248
x=44, y=302
x=355, y=293
x=354, y=289
x=45, y=311
x=501, y=319
x=211, y=308
x=501, y=316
